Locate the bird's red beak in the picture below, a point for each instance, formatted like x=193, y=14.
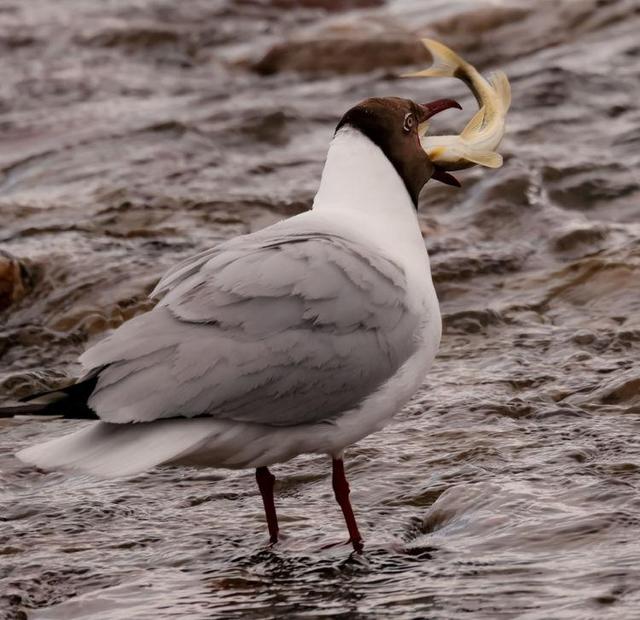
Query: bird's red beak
x=439, y=105
x=429, y=110
x=444, y=177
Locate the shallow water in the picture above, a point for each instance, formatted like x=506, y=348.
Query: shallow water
x=136, y=133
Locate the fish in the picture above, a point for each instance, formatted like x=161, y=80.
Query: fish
x=478, y=141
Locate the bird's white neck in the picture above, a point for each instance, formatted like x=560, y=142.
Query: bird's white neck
x=361, y=187
x=358, y=176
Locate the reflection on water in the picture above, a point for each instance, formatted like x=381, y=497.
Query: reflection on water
x=135, y=133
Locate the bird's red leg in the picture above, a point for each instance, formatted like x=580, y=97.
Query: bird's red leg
x=266, y=480
x=341, y=490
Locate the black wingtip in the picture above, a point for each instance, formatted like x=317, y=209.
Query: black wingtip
x=69, y=402
x=12, y=411
x=63, y=408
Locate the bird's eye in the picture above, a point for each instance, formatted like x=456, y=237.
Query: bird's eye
x=409, y=122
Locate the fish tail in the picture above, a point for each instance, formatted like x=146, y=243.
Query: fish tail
x=446, y=63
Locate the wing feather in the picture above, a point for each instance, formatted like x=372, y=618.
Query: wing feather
x=274, y=328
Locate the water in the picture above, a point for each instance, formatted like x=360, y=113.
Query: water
x=136, y=133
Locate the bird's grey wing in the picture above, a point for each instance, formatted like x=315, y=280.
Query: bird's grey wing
x=182, y=271
x=279, y=329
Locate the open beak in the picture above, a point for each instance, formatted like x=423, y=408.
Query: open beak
x=444, y=177
x=439, y=105
x=432, y=108
x=428, y=110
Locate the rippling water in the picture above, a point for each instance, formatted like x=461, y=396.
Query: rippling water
x=137, y=132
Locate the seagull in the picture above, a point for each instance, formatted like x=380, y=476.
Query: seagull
x=303, y=337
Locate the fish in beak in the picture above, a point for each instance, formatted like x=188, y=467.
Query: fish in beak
x=431, y=109
x=477, y=143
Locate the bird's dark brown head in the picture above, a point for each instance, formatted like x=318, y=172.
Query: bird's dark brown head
x=392, y=124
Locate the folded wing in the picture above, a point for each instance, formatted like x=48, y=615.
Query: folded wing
x=279, y=327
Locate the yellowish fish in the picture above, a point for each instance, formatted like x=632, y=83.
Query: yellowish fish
x=479, y=140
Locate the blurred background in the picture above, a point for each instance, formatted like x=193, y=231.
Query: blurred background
x=136, y=132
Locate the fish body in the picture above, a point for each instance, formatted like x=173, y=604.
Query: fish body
x=483, y=133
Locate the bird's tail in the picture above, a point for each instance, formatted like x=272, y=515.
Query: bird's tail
x=104, y=449
x=68, y=402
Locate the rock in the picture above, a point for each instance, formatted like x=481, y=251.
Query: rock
x=342, y=54
x=14, y=280
x=330, y=6
x=623, y=389
x=579, y=240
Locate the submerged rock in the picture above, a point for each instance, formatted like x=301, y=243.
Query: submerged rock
x=14, y=280
x=342, y=52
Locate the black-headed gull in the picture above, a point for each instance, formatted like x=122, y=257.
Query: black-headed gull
x=303, y=337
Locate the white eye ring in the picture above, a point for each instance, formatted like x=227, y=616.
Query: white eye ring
x=409, y=122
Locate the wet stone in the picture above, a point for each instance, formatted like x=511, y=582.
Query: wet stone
x=15, y=280
x=337, y=55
